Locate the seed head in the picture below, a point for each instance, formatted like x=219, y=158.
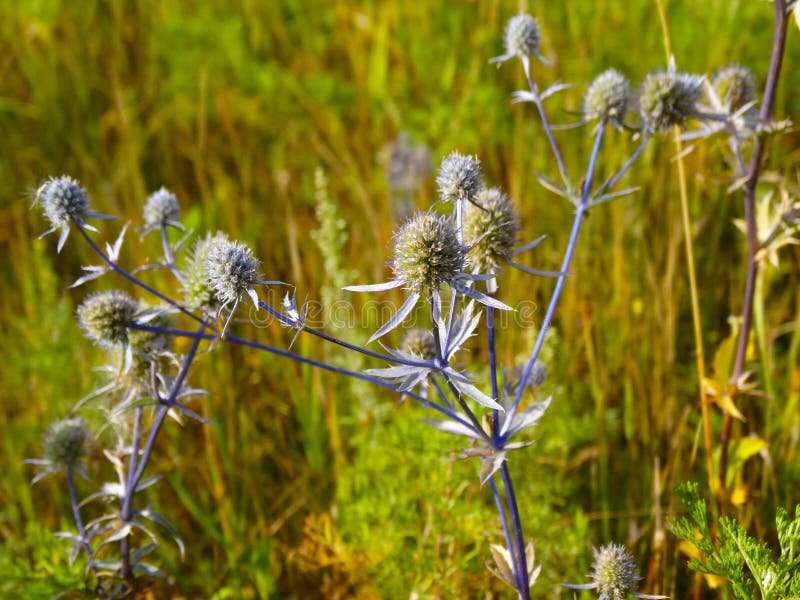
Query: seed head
x=492, y=229
x=160, y=209
x=65, y=441
x=522, y=36
x=607, y=97
x=231, y=269
x=105, y=317
x=614, y=572
x=668, y=98
x=419, y=342
x=735, y=86
x=427, y=252
x=459, y=177
x=197, y=291
x=63, y=201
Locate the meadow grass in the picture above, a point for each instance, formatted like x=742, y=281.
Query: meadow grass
x=233, y=108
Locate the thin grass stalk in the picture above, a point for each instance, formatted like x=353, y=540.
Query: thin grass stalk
x=688, y=241
x=756, y=162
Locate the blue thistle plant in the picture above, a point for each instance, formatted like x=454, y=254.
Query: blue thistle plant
x=161, y=210
x=65, y=203
x=613, y=575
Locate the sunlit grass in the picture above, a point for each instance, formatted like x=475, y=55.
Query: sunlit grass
x=233, y=108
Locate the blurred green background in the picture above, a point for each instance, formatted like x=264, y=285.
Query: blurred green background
x=309, y=486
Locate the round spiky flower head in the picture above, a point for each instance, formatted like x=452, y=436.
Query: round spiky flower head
x=613, y=574
x=427, y=252
x=161, y=209
x=491, y=229
x=459, y=178
x=197, y=291
x=668, y=98
x=64, y=202
x=735, y=85
x=419, y=342
x=232, y=270
x=65, y=441
x=105, y=317
x=607, y=97
x=522, y=36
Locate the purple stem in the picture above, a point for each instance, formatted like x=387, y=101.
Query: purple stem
x=511, y=500
x=551, y=308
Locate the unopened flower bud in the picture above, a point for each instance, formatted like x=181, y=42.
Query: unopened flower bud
x=231, y=269
x=735, y=86
x=63, y=201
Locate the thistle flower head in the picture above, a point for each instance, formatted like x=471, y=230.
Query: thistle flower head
x=197, y=291
x=161, y=209
x=522, y=36
x=231, y=269
x=65, y=441
x=419, y=342
x=613, y=575
x=492, y=230
x=614, y=572
x=513, y=377
x=459, y=177
x=607, y=97
x=105, y=317
x=735, y=85
x=427, y=253
x=63, y=201
x=668, y=98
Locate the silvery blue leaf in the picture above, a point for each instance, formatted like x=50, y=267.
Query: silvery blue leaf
x=397, y=317
x=453, y=428
x=374, y=287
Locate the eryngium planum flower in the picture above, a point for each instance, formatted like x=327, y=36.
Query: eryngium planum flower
x=607, y=97
x=522, y=36
x=419, y=342
x=64, y=202
x=197, y=291
x=735, y=86
x=65, y=441
x=231, y=269
x=161, y=209
x=105, y=317
x=668, y=98
x=491, y=229
x=613, y=574
x=427, y=252
x=459, y=177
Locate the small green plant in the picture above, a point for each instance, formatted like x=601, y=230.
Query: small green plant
x=750, y=566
